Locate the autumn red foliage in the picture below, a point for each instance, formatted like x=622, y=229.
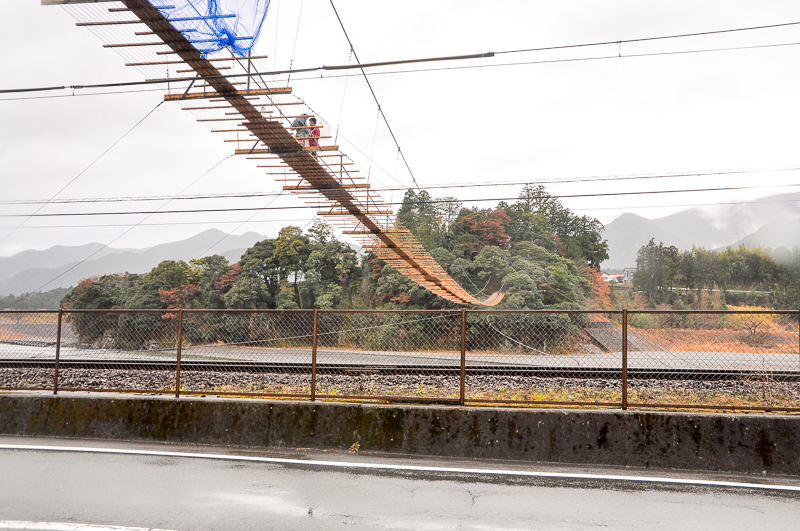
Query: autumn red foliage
x=487, y=227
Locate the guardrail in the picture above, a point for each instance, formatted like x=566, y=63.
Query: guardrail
x=717, y=360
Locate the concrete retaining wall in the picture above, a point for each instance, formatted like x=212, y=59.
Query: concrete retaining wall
x=736, y=443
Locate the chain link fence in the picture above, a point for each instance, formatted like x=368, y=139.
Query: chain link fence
x=28, y=341
x=558, y=357
x=729, y=360
x=714, y=359
x=244, y=353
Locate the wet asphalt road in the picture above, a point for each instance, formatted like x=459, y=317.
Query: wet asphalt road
x=184, y=493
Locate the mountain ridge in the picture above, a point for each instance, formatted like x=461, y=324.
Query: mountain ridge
x=18, y=276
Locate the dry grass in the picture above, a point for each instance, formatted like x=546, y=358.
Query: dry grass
x=6, y=334
x=724, y=340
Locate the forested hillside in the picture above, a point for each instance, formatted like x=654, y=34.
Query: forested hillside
x=536, y=250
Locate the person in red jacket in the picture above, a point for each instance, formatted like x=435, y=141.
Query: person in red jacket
x=313, y=142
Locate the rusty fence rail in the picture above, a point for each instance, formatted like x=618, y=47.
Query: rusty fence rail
x=725, y=360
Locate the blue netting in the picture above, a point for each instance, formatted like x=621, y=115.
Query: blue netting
x=211, y=25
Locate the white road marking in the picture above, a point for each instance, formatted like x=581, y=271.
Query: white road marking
x=407, y=468
x=62, y=526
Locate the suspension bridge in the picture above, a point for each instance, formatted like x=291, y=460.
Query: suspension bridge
x=168, y=41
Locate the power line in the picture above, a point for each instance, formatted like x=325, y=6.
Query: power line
x=645, y=39
x=414, y=71
x=577, y=59
x=123, y=233
x=242, y=224
x=4, y=238
x=165, y=224
x=454, y=185
x=362, y=66
x=384, y=203
x=301, y=220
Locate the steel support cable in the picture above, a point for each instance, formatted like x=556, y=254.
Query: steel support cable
x=445, y=58
x=118, y=237
x=344, y=93
x=385, y=203
x=380, y=109
x=109, y=148
x=277, y=22
x=296, y=34
x=394, y=72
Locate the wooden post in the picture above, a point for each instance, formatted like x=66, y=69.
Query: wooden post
x=314, y=359
x=178, y=357
x=463, y=382
x=624, y=359
x=58, y=350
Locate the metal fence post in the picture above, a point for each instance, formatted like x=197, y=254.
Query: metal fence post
x=624, y=359
x=58, y=350
x=314, y=359
x=463, y=380
x=798, y=337
x=178, y=357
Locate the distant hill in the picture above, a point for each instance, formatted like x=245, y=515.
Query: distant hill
x=778, y=234
x=52, y=257
x=713, y=227
x=628, y=233
x=29, y=270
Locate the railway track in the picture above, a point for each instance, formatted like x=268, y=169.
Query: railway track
x=410, y=369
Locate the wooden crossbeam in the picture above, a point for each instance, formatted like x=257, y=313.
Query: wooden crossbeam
x=368, y=232
x=135, y=44
x=348, y=213
x=251, y=92
x=109, y=23
x=309, y=187
x=216, y=59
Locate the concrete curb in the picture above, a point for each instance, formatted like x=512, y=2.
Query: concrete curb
x=700, y=441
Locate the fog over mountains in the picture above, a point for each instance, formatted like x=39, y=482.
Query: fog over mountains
x=772, y=221
x=30, y=270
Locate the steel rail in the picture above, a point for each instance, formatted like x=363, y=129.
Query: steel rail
x=453, y=369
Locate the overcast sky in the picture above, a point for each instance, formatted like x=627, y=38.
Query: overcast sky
x=615, y=116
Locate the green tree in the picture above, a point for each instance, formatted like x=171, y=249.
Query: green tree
x=655, y=266
x=581, y=235
x=332, y=271
x=290, y=255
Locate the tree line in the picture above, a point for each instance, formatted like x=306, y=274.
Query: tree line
x=665, y=274
x=536, y=250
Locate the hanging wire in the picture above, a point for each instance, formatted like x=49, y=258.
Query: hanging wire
x=344, y=93
x=242, y=224
x=109, y=148
x=296, y=34
x=396, y=162
x=108, y=244
x=277, y=24
x=374, y=138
